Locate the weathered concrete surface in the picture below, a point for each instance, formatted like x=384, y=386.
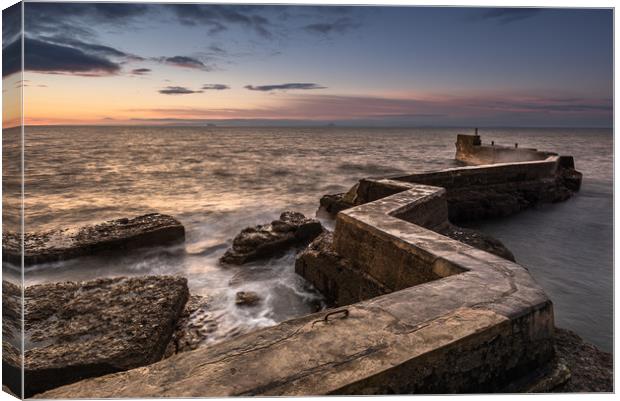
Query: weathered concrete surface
x=460, y=320
x=489, y=191
x=480, y=191
x=342, y=283
x=335, y=277
x=80, y=330
x=483, y=324
x=292, y=229
x=470, y=150
x=115, y=236
x=370, y=351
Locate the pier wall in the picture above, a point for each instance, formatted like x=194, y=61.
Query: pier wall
x=424, y=313
x=470, y=150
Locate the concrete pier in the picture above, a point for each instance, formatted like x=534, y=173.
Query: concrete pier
x=455, y=319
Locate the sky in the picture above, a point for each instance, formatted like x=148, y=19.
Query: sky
x=189, y=64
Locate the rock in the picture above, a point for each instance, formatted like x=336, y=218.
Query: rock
x=591, y=370
x=8, y=391
x=11, y=367
x=115, y=235
x=80, y=330
x=338, y=202
x=11, y=310
x=292, y=229
x=11, y=336
x=477, y=240
x=247, y=298
x=194, y=327
x=577, y=367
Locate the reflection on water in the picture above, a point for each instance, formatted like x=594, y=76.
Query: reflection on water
x=220, y=180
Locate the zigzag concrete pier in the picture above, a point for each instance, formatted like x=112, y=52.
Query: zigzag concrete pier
x=452, y=319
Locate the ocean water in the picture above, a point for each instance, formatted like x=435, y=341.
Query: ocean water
x=218, y=180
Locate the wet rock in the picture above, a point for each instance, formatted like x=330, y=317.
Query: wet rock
x=247, y=298
x=80, y=330
x=253, y=274
x=194, y=328
x=115, y=235
x=477, y=240
x=292, y=229
x=338, y=202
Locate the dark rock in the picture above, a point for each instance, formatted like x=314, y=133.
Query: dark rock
x=11, y=310
x=11, y=336
x=334, y=203
x=292, y=229
x=115, y=235
x=477, y=240
x=247, y=298
x=338, y=202
x=194, y=327
x=8, y=391
x=591, y=370
x=11, y=367
x=92, y=328
x=577, y=367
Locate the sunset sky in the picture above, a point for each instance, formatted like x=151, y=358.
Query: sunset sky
x=378, y=66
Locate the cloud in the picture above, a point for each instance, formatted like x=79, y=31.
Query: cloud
x=77, y=19
x=217, y=87
x=508, y=15
x=217, y=50
x=547, y=105
x=92, y=48
x=185, y=62
x=289, y=86
x=12, y=58
x=218, y=17
x=11, y=23
x=341, y=25
x=51, y=58
x=141, y=71
x=177, y=90
x=481, y=109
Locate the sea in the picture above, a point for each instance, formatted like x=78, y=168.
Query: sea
x=219, y=180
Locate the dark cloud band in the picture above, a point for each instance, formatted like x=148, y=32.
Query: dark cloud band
x=53, y=58
x=185, y=62
x=177, y=90
x=215, y=87
x=288, y=86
